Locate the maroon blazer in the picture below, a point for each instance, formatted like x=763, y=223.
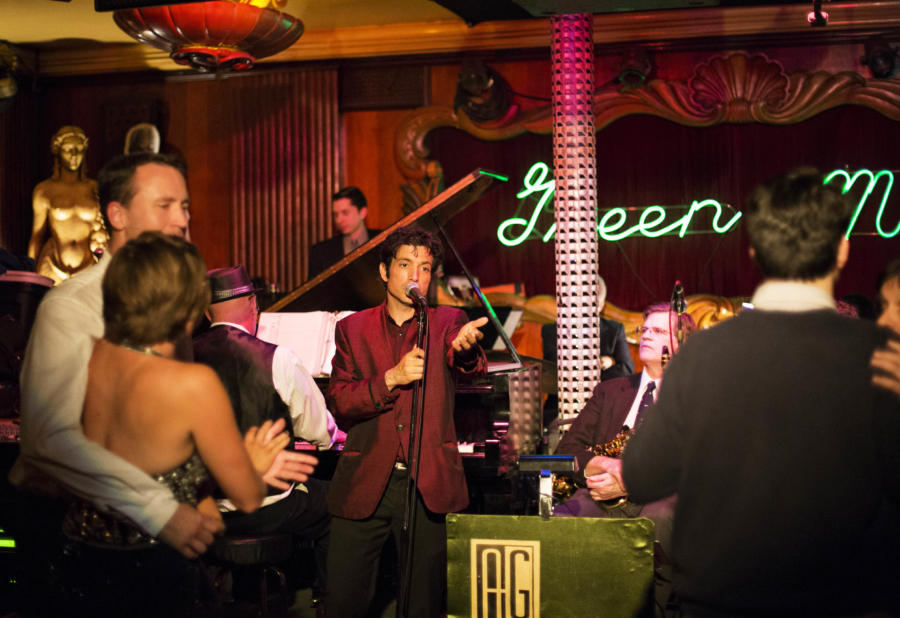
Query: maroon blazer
x=600, y=420
x=377, y=419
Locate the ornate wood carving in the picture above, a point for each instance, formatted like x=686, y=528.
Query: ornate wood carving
x=732, y=88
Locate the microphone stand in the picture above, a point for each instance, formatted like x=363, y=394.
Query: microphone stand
x=416, y=422
x=677, y=305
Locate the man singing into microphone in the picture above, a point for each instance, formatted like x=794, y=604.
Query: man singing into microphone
x=376, y=365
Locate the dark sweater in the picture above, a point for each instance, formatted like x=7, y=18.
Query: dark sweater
x=786, y=464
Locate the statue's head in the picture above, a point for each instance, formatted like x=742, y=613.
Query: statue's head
x=68, y=147
x=143, y=137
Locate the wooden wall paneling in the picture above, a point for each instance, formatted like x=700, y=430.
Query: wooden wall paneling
x=285, y=168
x=443, y=83
x=19, y=148
x=369, y=163
x=193, y=123
x=198, y=130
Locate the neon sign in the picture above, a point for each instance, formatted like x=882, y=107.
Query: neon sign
x=873, y=180
x=537, y=182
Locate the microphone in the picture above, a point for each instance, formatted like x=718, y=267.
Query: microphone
x=679, y=306
x=414, y=293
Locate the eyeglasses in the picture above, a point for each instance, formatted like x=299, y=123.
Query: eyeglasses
x=656, y=332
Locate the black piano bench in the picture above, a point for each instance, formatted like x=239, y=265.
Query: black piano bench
x=263, y=551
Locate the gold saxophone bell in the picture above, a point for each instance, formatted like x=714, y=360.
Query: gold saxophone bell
x=564, y=487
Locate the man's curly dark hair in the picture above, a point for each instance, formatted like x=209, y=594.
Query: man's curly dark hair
x=414, y=236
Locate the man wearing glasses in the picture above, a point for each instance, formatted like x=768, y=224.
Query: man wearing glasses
x=268, y=382
x=615, y=405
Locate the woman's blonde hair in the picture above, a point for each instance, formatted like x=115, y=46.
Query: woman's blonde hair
x=155, y=285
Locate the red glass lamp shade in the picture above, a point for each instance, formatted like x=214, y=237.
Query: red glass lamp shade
x=212, y=35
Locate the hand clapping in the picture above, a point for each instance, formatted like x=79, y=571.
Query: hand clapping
x=277, y=466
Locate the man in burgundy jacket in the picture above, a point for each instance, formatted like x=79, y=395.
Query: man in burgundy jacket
x=370, y=394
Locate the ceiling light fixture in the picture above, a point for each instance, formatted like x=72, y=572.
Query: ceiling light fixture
x=213, y=36
x=634, y=67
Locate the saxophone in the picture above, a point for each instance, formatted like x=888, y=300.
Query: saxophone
x=564, y=487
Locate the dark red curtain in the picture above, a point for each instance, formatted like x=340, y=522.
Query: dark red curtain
x=644, y=161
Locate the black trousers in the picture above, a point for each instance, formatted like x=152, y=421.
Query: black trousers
x=303, y=514
x=356, y=550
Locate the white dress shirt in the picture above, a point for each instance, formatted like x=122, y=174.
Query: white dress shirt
x=645, y=380
x=791, y=296
x=310, y=418
x=55, y=456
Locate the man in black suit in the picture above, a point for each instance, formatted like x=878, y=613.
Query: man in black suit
x=349, y=209
x=616, y=361
x=615, y=355
x=614, y=405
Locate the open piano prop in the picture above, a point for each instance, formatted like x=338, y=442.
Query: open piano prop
x=498, y=418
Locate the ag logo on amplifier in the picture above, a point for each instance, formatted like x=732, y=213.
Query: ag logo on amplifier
x=506, y=579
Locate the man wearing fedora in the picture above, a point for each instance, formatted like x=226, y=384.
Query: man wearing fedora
x=267, y=382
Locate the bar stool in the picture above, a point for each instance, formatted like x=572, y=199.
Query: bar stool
x=263, y=551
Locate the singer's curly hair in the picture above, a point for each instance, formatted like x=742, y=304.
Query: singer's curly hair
x=414, y=236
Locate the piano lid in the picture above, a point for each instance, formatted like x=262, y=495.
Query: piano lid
x=353, y=284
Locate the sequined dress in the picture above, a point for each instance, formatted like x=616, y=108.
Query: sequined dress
x=190, y=482
x=108, y=567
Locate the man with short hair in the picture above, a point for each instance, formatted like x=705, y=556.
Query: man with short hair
x=267, y=382
x=138, y=193
x=349, y=209
x=375, y=367
x=613, y=406
x=783, y=455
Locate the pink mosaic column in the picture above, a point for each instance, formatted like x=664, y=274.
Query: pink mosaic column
x=575, y=171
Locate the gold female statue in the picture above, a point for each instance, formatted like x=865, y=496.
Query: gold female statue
x=68, y=227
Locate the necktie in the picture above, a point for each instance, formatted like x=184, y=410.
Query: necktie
x=646, y=402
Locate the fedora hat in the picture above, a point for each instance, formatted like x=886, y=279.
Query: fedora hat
x=228, y=283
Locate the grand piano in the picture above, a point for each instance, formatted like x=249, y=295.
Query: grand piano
x=498, y=417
